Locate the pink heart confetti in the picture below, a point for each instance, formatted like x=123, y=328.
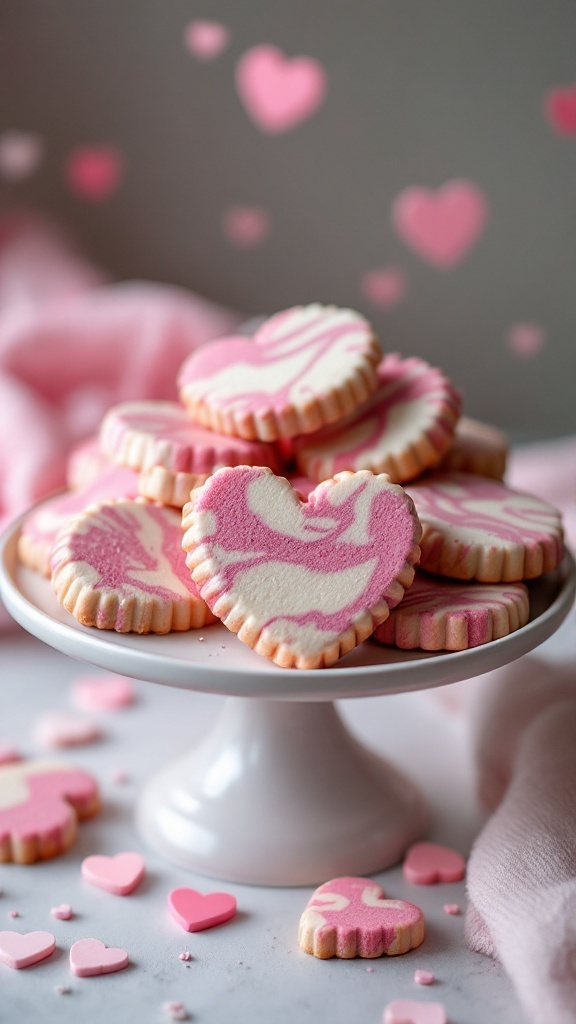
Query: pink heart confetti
x=94, y=172
x=441, y=226
x=206, y=39
x=105, y=693
x=560, y=108
x=62, y=913
x=22, y=950
x=195, y=911
x=424, y=977
x=90, y=957
x=526, y=340
x=245, y=226
x=119, y=874
x=407, y=1011
x=279, y=93
x=428, y=863
x=384, y=287
x=20, y=154
x=58, y=730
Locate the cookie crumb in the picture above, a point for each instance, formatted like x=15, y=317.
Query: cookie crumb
x=424, y=977
x=185, y=955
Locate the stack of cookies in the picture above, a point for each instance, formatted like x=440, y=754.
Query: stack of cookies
x=307, y=491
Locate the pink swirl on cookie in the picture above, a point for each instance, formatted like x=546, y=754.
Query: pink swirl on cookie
x=41, y=803
x=119, y=565
x=476, y=528
x=40, y=527
x=351, y=917
x=440, y=615
x=404, y=429
x=300, y=582
x=304, y=367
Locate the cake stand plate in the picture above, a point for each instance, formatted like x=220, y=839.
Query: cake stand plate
x=280, y=793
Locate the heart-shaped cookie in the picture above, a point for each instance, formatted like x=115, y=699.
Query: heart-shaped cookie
x=17, y=950
x=196, y=911
x=119, y=875
x=89, y=957
x=349, y=917
x=301, y=582
x=304, y=367
x=429, y=863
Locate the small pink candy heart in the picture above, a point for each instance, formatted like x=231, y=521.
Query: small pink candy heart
x=119, y=874
x=196, y=911
x=89, y=957
x=279, y=93
x=441, y=226
x=94, y=172
x=245, y=226
x=560, y=108
x=17, y=950
x=20, y=154
x=428, y=863
x=62, y=913
x=106, y=693
x=384, y=287
x=408, y=1011
x=206, y=39
x=526, y=340
x=56, y=730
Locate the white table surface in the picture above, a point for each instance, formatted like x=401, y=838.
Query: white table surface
x=250, y=969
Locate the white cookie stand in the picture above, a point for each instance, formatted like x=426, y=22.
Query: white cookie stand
x=280, y=793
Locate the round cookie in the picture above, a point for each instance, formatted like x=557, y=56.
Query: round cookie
x=349, y=917
x=477, y=448
x=169, y=487
x=303, y=368
x=119, y=565
x=85, y=462
x=476, y=528
x=405, y=428
x=301, y=582
x=41, y=803
x=436, y=614
x=40, y=527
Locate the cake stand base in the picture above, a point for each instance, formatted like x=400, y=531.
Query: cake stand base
x=281, y=793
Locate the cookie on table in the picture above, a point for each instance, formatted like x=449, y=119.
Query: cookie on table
x=350, y=917
x=437, y=614
x=476, y=528
x=119, y=565
x=301, y=582
x=405, y=428
x=303, y=368
x=41, y=526
x=477, y=448
x=41, y=803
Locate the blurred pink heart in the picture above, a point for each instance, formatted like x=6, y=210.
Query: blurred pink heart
x=103, y=693
x=245, y=226
x=526, y=340
x=384, y=287
x=408, y=1011
x=22, y=950
x=441, y=226
x=560, y=107
x=20, y=154
x=429, y=863
x=56, y=730
x=279, y=93
x=94, y=172
x=206, y=39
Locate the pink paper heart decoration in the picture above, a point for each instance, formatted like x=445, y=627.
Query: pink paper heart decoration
x=89, y=957
x=384, y=287
x=62, y=913
x=428, y=863
x=56, y=730
x=245, y=226
x=20, y=154
x=17, y=950
x=441, y=226
x=279, y=93
x=94, y=172
x=408, y=1011
x=103, y=693
x=560, y=107
x=206, y=39
x=196, y=911
x=526, y=340
x=119, y=874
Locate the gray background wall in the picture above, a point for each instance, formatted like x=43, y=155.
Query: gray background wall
x=418, y=93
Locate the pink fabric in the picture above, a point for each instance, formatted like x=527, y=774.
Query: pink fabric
x=71, y=345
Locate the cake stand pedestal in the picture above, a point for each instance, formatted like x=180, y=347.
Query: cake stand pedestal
x=280, y=792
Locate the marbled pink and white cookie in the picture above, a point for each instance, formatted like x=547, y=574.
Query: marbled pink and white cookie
x=85, y=462
x=477, y=448
x=405, y=428
x=476, y=528
x=351, y=917
x=41, y=803
x=172, y=453
x=40, y=527
x=301, y=582
x=119, y=565
x=444, y=615
x=304, y=367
